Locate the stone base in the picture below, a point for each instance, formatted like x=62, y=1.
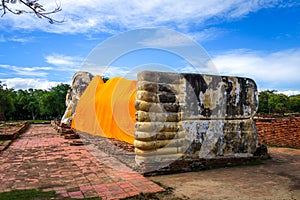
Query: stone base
x=189, y=165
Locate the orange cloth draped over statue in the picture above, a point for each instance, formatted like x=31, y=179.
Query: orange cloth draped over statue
x=107, y=109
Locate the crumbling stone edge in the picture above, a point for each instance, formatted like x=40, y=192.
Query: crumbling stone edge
x=67, y=132
x=193, y=165
x=11, y=138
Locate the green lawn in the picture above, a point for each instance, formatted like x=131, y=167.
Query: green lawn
x=27, y=195
x=38, y=121
x=32, y=195
x=32, y=121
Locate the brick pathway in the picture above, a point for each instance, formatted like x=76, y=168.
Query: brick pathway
x=40, y=158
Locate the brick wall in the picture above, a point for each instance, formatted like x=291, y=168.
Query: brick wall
x=283, y=131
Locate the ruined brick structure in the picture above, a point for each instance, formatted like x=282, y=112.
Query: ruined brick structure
x=279, y=131
x=194, y=116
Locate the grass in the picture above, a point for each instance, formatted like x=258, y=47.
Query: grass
x=37, y=121
x=33, y=195
x=32, y=121
x=27, y=195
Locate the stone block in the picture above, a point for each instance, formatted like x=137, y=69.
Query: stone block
x=195, y=116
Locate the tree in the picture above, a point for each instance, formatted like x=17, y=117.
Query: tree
x=30, y=7
x=59, y=94
x=270, y=102
x=6, y=102
x=263, y=99
x=53, y=102
x=105, y=78
x=33, y=103
x=278, y=103
x=294, y=103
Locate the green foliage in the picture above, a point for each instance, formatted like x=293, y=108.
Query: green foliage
x=294, y=103
x=38, y=121
x=27, y=194
x=270, y=102
x=34, y=194
x=6, y=101
x=105, y=79
x=278, y=103
x=58, y=94
x=263, y=99
x=33, y=104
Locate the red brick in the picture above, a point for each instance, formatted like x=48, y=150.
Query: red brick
x=76, y=194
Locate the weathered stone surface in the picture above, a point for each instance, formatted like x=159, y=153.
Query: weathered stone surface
x=151, y=136
x=212, y=116
x=143, y=116
x=214, y=97
x=156, y=126
x=147, y=96
x=211, y=138
x=157, y=87
x=156, y=107
x=160, y=151
x=159, y=77
x=80, y=81
x=156, y=144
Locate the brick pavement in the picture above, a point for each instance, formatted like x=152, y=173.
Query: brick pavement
x=41, y=158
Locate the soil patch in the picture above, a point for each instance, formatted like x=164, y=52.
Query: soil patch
x=277, y=178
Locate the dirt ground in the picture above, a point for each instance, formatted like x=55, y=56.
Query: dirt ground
x=277, y=178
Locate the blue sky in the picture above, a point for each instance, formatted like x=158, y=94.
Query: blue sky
x=259, y=39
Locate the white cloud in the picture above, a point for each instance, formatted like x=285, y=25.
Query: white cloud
x=106, y=71
x=65, y=63
x=21, y=40
x=28, y=71
x=207, y=34
x=280, y=66
x=289, y=92
x=272, y=69
x=111, y=15
x=166, y=38
x=59, y=60
x=25, y=83
x=112, y=71
x=15, y=39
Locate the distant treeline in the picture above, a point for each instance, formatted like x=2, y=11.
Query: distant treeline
x=270, y=102
x=32, y=103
